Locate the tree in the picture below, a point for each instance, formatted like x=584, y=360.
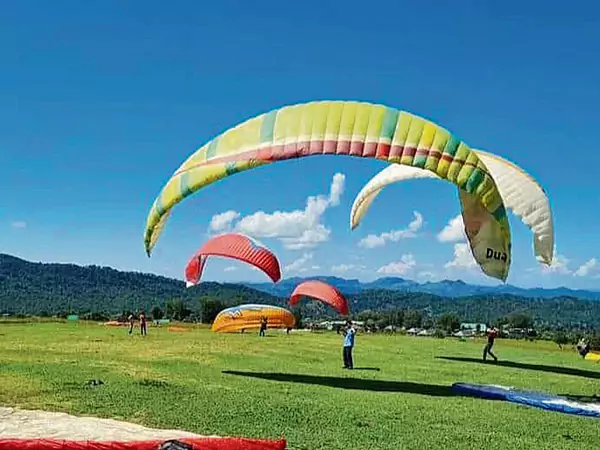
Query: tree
x=32, y=288
x=448, y=322
x=370, y=325
x=176, y=310
x=504, y=320
x=412, y=318
x=439, y=334
x=561, y=339
x=594, y=341
x=520, y=320
x=95, y=316
x=298, y=316
x=382, y=323
x=157, y=313
x=395, y=317
x=428, y=323
x=210, y=310
x=367, y=315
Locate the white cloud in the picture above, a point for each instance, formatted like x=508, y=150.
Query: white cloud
x=560, y=265
x=463, y=258
x=343, y=268
x=588, y=268
x=230, y=269
x=454, y=231
x=373, y=240
x=298, y=265
x=298, y=229
x=406, y=264
x=307, y=239
x=19, y=225
x=223, y=221
x=337, y=189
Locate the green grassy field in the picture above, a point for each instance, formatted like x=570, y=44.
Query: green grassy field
x=294, y=386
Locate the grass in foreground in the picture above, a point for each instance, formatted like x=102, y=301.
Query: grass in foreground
x=294, y=386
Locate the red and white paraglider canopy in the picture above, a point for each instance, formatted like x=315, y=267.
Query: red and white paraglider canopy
x=320, y=291
x=237, y=246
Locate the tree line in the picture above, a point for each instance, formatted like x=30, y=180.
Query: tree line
x=102, y=292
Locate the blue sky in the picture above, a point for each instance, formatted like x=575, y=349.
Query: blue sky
x=101, y=101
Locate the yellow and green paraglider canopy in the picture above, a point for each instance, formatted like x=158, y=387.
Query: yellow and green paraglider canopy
x=335, y=128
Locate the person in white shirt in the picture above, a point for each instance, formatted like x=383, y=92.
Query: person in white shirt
x=348, y=332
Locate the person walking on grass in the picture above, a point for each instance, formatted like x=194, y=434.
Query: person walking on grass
x=348, y=332
x=263, y=326
x=143, y=329
x=492, y=334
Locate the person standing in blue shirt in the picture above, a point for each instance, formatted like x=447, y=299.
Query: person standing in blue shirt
x=348, y=332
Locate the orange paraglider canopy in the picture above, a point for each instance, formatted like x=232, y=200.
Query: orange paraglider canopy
x=248, y=317
x=320, y=291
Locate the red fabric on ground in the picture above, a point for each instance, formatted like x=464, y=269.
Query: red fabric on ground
x=207, y=443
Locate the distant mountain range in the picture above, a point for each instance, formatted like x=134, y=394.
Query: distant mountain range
x=445, y=288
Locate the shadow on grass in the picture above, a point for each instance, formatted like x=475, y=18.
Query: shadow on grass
x=353, y=383
x=376, y=369
x=582, y=398
x=539, y=367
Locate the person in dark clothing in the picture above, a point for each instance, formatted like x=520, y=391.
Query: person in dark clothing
x=143, y=329
x=263, y=326
x=348, y=332
x=492, y=334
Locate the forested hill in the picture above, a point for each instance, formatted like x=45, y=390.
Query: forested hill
x=38, y=288
x=33, y=288
x=555, y=312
